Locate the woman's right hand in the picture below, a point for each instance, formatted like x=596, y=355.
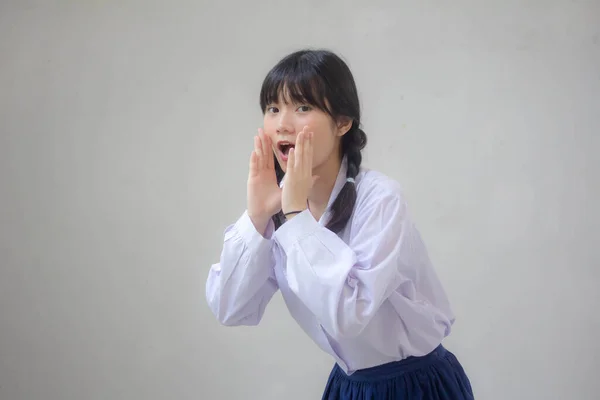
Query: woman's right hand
x=264, y=193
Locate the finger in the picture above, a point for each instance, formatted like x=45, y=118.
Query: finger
x=269, y=152
x=265, y=147
x=258, y=151
x=253, y=164
x=299, y=150
x=308, y=150
x=291, y=161
x=305, y=151
x=262, y=160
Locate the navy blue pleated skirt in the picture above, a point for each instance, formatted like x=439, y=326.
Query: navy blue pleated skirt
x=436, y=376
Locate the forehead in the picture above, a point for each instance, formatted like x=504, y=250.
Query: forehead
x=285, y=95
x=290, y=89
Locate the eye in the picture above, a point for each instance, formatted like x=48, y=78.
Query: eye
x=272, y=109
x=304, y=108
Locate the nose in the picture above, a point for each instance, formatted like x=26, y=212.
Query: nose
x=284, y=125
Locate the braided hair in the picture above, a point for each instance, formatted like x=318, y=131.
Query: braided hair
x=322, y=79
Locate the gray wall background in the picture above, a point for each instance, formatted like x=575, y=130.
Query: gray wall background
x=125, y=134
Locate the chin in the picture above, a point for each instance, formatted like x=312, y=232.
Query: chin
x=282, y=165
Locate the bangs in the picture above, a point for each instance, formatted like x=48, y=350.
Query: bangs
x=294, y=81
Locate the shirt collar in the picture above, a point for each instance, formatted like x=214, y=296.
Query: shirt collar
x=339, y=182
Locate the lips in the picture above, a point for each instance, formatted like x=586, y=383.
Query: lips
x=283, y=147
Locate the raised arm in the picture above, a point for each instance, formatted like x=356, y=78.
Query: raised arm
x=242, y=283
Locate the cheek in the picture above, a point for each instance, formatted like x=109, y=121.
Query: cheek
x=270, y=130
x=323, y=145
x=269, y=123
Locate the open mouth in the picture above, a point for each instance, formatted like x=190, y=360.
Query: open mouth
x=284, y=149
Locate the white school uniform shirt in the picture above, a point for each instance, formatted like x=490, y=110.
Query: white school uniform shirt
x=367, y=296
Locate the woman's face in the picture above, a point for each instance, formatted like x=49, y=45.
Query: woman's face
x=283, y=121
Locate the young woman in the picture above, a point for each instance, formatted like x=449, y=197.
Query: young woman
x=337, y=241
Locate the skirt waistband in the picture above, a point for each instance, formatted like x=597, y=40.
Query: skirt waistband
x=395, y=368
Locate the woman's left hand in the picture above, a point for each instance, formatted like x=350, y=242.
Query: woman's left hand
x=299, y=179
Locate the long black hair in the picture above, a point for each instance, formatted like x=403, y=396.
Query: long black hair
x=323, y=80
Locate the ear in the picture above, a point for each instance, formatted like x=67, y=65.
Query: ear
x=344, y=125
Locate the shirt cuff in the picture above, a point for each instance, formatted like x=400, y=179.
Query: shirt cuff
x=250, y=235
x=292, y=231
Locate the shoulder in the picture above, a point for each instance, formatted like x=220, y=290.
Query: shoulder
x=375, y=184
x=376, y=190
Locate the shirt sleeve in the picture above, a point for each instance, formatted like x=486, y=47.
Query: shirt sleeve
x=242, y=283
x=345, y=284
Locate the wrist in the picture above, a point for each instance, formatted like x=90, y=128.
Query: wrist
x=291, y=214
x=294, y=207
x=260, y=222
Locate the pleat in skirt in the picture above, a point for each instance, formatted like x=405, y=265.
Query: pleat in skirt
x=436, y=376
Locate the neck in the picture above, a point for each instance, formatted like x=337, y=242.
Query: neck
x=321, y=191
